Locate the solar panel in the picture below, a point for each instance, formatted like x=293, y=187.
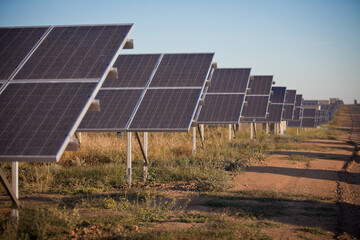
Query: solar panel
x=134, y=70
x=309, y=113
x=256, y=107
x=165, y=110
x=224, y=99
x=278, y=95
x=119, y=97
x=229, y=80
x=310, y=103
x=294, y=123
x=116, y=107
x=171, y=100
x=260, y=85
x=288, y=113
x=290, y=97
x=15, y=44
x=38, y=117
x=297, y=113
x=308, y=123
x=275, y=113
x=74, y=52
x=182, y=70
x=257, y=99
x=221, y=108
x=298, y=100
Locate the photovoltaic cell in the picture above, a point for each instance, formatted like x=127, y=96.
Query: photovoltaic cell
x=221, y=108
x=75, y=52
x=163, y=109
x=260, y=85
x=227, y=80
x=278, y=95
x=134, y=70
x=35, y=118
x=15, y=44
x=116, y=107
x=290, y=96
x=288, y=113
x=182, y=70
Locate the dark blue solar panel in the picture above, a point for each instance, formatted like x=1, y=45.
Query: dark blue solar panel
x=225, y=80
x=290, y=96
x=74, y=52
x=298, y=100
x=278, y=95
x=183, y=70
x=260, y=85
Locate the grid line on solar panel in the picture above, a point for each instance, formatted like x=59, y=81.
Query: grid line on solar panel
x=15, y=46
x=225, y=80
x=163, y=109
x=64, y=54
x=290, y=97
x=260, y=85
x=183, y=70
x=278, y=95
x=220, y=108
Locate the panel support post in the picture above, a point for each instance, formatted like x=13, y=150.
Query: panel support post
x=128, y=160
x=267, y=129
x=234, y=128
x=254, y=125
x=194, y=140
x=15, y=188
x=143, y=149
x=202, y=132
x=251, y=131
x=78, y=136
x=230, y=129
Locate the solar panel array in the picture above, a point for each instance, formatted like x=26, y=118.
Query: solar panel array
x=257, y=98
x=224, y=99
x=58, y=72
x=276, y=105
x=289, y=105
x=153, y=92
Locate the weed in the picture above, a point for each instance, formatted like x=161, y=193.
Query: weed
x=299, y=158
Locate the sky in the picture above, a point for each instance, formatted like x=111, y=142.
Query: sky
x=312, y=46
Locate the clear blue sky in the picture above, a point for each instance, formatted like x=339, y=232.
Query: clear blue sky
x=309, y=45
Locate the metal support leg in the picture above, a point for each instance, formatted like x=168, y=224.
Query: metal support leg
x=15, y=188
x=202, y=131
x=201, y=135
x=194, y=140
x=128, y=162
x=78, y=136
x=230, y=132
x=267, y=131
x=234, y=128
x=146, y=162
x=251, y=131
